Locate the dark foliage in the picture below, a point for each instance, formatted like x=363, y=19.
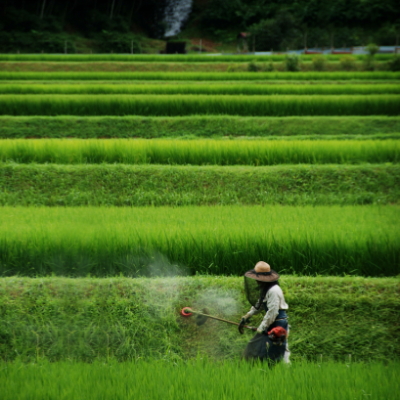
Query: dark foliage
x=273, y=23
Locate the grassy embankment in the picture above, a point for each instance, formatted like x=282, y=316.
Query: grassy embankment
x=199, y=379
x=196, y=76
x=218, y=65
x=198, y=63
x=215, y=126
x=125, y=185
x=187, y=240
x=127, y=319
x=167, y=58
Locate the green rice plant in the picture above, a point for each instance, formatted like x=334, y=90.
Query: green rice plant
x=178, y=105
x=206, y=126
x=199, y=76
x=187, y=240
x=198, y=152
x=197, y=379
x=162, y=185
x=120, y=319
x=211, y=88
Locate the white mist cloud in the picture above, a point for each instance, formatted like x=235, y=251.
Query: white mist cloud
x=176, y=13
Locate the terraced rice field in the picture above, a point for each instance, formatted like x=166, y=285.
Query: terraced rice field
x=108, y=176
x=297, y=177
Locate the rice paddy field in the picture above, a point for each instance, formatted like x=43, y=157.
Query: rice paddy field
x=125, y=196
x=192, y=380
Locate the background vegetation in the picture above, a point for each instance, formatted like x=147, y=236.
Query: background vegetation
x=126, y=26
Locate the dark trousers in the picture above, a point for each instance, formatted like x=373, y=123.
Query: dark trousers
x=261, y=347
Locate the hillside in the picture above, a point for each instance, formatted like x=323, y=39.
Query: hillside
x=134, y=26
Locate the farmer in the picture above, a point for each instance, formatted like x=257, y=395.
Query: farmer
x=264, y=293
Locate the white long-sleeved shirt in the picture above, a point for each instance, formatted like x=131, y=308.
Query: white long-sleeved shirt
x=275, y=302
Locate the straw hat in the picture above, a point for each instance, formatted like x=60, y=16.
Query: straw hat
x=262, y=272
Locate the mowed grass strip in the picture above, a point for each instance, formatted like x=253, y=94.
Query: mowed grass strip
x=127, y=185
x=212, y=88
x=201, y=126
x=178, y=105
x=198, y=152
x=79, y=241
x=198, y=76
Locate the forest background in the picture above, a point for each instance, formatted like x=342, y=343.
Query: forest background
x=143, y=26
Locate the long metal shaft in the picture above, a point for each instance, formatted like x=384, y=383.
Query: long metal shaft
x=223, y=320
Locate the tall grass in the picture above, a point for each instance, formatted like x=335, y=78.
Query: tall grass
x=122, y=319
x=198, y=152
x=212, y=88
x=176, y=105
x=222, y=240
x=199, y=76
x=197, y=380
x=168, y=57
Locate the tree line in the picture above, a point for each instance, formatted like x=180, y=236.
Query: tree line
x=272, y=24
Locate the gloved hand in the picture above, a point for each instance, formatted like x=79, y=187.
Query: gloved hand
x=242, y=323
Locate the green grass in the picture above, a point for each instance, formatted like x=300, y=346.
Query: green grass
x=199, y=76
x=198, y=380
x=123, y=185
x=219, y=240
x=215, y=126
x=212, y=88
x=198, y=152
x=179, y=105
x=345, y=319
